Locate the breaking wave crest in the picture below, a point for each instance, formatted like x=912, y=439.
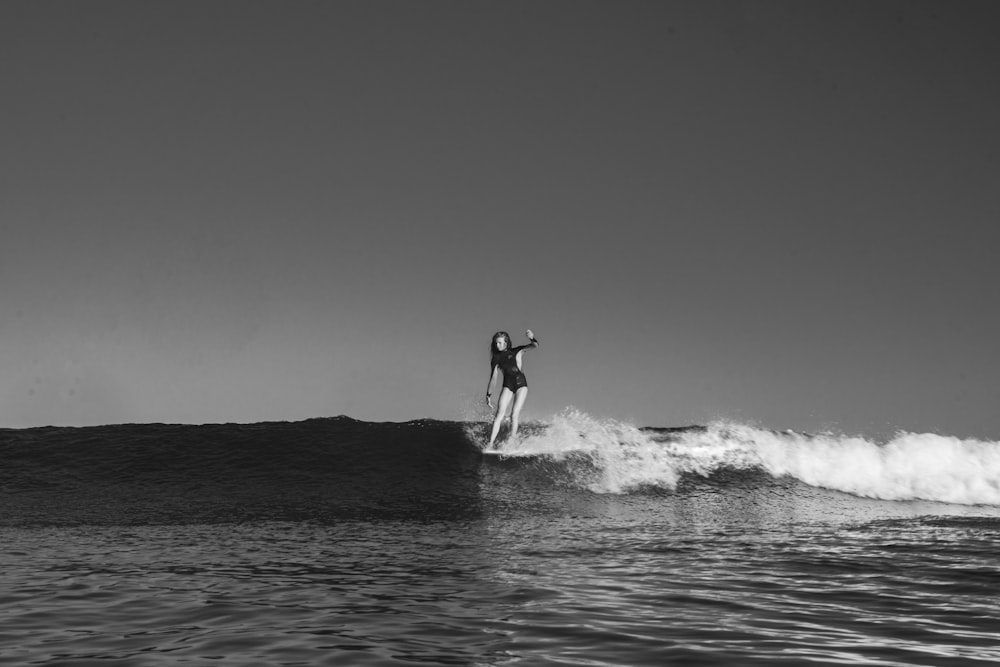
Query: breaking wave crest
x=609, y=456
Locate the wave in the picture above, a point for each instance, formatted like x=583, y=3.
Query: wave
x=339, y=468
x=616, y=457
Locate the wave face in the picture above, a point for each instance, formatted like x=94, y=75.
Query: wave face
x=339, y=468
x=324, y=469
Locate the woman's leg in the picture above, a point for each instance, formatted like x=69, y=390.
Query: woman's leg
x=519, y=397
x=502, y=404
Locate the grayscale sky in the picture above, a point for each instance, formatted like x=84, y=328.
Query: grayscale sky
x=775, y=212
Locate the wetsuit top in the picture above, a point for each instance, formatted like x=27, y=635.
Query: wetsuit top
x=513, y=378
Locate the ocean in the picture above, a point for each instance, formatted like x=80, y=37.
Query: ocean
x=587, y=542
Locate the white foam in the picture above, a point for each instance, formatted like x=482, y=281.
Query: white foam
x=620, y=457
x=911, y=466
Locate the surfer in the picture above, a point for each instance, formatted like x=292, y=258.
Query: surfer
x=508, y=361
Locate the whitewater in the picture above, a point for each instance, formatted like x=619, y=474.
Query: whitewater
x=911, y=466
x=588, y=540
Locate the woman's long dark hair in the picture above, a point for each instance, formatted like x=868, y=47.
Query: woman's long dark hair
x=493, y=341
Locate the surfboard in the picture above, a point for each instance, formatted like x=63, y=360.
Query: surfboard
x=501, y=454
x=540, y=453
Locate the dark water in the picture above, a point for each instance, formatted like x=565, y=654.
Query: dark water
x=337, y=542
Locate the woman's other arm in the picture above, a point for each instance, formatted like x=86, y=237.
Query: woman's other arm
x=489, y=385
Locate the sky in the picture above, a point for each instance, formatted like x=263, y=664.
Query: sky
x=780, y=213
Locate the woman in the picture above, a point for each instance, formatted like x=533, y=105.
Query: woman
x=508, y=361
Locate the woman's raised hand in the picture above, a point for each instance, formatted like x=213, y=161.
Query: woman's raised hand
x=529, y=334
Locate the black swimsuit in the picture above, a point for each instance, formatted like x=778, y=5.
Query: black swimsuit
x=513, y=378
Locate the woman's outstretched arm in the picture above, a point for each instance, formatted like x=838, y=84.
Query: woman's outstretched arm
x=533, y=343
x=521, y=348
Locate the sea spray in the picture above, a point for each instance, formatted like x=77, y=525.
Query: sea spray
x=602, y=455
